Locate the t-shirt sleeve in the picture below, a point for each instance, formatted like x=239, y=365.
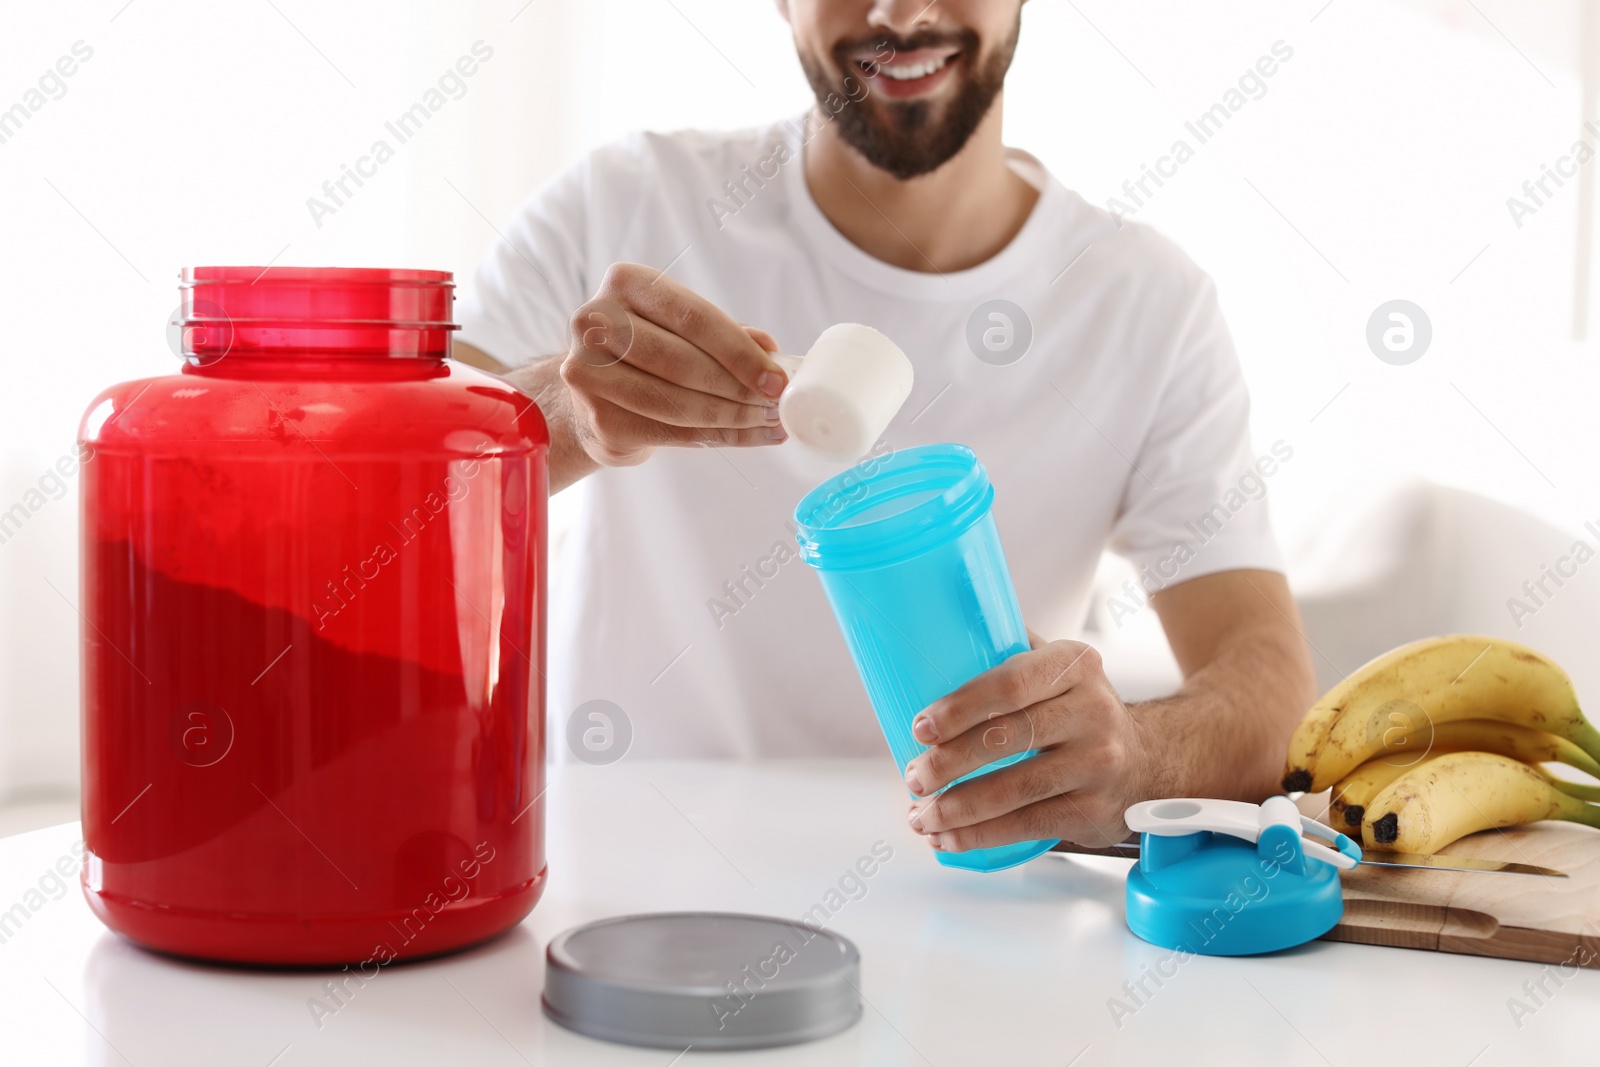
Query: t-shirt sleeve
x=1195, y=502
x=522, y=295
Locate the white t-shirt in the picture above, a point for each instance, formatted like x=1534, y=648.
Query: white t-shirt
x=1124, y=425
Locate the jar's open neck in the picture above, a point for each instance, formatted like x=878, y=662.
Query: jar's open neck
x=207, y=340
x=317, y=312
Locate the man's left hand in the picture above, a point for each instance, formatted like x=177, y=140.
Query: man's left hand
x=1090, y=765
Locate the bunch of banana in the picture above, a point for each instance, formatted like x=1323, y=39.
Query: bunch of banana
x=1424, y=686
x=1440, y=738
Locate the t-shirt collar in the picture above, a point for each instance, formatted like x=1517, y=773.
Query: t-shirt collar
x=1039, y=243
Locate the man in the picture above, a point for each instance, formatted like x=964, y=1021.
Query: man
x=640, y=296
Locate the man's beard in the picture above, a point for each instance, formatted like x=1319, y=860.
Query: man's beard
x=902, y=137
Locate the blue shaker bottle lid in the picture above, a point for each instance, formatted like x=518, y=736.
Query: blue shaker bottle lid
x=1226, y=878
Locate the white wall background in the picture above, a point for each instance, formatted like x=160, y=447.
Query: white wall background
x=1376, y=167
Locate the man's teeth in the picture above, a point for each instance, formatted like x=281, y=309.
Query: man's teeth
x=914, y=71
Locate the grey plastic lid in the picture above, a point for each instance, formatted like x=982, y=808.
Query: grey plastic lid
x=711, y=980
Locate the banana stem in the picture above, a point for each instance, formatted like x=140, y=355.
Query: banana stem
x=1586, y=737
x=1575, y=789
x=1575, y=810
x=1580, y=760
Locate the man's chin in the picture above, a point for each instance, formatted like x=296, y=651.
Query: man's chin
x=909, y=133
x=907, y=140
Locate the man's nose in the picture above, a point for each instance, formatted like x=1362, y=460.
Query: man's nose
x=903, y=16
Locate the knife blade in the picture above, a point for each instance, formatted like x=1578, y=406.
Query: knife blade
x=1369, y=857
x=1373, y=858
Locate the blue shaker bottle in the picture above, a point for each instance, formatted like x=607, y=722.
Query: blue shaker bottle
x=908, y=554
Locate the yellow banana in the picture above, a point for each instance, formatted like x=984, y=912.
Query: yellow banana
x=1354, y=791
x=1507, y=738
x=1432, y=682
x=1310, y=737
x=1306, y=743
x=1460, y=793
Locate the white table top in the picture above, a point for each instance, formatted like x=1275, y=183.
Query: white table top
x=1017, y=968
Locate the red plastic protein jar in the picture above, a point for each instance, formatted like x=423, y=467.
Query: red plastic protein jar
x=313, y=651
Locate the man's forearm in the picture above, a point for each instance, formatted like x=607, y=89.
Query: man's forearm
x=1225, y=733
x=541, y=380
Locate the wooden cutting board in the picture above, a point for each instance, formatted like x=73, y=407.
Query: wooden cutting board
x=1509, y=916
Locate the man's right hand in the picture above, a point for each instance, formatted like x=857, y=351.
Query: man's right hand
x=652, y=363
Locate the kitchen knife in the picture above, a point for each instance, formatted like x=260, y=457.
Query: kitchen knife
x=1369, y=857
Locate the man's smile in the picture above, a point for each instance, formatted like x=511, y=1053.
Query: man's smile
x=905, y=75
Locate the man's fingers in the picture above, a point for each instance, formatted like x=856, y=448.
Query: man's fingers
x=992, y=795
x=1081, y=766
x=1024, y=679
x=645, y=394
x=605, y=336
x=992, y=739
x=762, y=337
x=714, y=437
x=1065, y=816
x=615, y=435
x=653, y=364
x=681, y=311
